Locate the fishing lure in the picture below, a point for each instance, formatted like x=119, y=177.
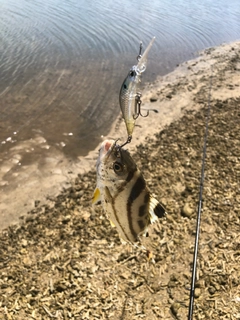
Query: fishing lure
x=130, y=97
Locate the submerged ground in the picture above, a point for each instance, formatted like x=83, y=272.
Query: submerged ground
x=66, y=262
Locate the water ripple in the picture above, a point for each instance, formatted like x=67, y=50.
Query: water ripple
x=62, y=62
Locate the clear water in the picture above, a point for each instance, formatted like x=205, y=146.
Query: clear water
x=63, y=62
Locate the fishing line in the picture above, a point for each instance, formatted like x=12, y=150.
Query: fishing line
x=194, y=268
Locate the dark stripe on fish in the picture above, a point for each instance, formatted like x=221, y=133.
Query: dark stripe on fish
x=138, y=187
x=144, y=208
x=159, y=211
x=141, y=225
x=130, y=175
x=128, y=179
x=147, y=198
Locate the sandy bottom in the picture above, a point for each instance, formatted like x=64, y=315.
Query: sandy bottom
x=64, y=261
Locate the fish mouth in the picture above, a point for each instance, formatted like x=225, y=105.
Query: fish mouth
x=106, y=149
x=109, y=147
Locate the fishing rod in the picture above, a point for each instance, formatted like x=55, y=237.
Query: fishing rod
x=195, y=254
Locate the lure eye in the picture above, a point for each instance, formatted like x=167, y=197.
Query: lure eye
x=132, y=73
x=117, y=167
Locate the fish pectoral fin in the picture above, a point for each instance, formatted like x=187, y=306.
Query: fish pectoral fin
x=96, y=196
x=156, y=210
x=108, y=196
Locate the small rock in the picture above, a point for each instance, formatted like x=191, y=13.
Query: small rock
x=174, y=308
x=24, y=243
x=81, y=193
x=190, y=88
x=60, y=287
x=86, y=215
x=153, y=99
x=211, y=290
x=66, y=219
x=36, y=203
x=172, y=284
x=175, y=277
x=200, y=284
x=187, y=211
x=197, y=292
x=27, y=262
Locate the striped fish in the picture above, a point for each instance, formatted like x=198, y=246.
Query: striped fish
x=123, y=193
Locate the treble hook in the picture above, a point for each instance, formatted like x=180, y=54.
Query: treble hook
x=140, y=51
x=138, y=107
x=137, y=114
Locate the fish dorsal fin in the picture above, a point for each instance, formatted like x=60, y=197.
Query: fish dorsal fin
x=96, y=196
x=156, y=210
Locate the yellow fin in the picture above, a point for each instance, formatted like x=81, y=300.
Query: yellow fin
x=112, y=224
x=96, y=196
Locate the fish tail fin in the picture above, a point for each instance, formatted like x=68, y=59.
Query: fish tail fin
x=156, y=210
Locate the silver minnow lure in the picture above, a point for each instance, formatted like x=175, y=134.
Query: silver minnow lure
x=129, y=97
x=123, y=193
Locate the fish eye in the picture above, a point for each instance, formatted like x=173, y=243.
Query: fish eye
x=117, y=167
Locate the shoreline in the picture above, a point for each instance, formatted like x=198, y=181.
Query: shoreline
x=172, y=96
